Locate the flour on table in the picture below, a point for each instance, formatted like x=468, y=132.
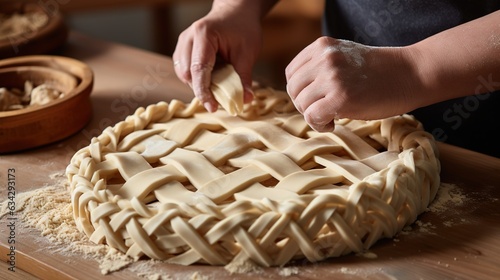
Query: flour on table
x=147, y=271
x=448, y=194
x=367, y=255
x=48, y=209
x=243, y=266
x=426, y=227
x=289, y=271
x=447, y=198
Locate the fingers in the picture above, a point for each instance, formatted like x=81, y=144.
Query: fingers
x=194, y=59
x=223, y=32
x=296, y=86
x=244, y=69
x=320, y=116
x=310, y=86
x=182, y=58
x=316, y=103
x=301, y=59
x=202, y=63
x=301, y=73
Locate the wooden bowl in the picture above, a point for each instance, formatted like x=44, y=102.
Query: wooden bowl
x=35, y=126
x=44, y=40
x=15, y=77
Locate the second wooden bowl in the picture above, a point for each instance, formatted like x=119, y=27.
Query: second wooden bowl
x=44, y=40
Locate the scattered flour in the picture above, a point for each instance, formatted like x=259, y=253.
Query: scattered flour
x=147, y=271
x=48, y=209
x=289, y=271
x=367, y=255
x=494, y=40
x=425, y=227
x=448, y=197
x=346, y=270
x=197, y=276
x=353, y=52
x=447, y=194
x=243, y=266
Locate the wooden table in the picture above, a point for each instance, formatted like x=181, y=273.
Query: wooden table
x=468, y=248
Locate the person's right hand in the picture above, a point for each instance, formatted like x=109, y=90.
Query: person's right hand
x=227, y=31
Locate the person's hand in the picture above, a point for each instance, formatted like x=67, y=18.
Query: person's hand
x=332, y=79
x=225, y=32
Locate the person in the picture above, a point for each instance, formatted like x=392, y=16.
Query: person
x=436, y=59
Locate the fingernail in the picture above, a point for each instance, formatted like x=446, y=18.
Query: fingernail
x=249, y=96
x=209, y=107
x=329, y=127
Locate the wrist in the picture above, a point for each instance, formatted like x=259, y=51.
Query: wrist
x=424, y=74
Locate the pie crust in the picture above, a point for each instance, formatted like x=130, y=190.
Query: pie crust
x=174, y=182
x=227, y=89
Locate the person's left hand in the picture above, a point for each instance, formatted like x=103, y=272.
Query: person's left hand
x=332, y=79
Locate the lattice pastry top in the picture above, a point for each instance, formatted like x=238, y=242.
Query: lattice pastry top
x=173, y=182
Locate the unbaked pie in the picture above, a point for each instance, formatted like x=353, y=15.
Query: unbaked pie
x=174, y=182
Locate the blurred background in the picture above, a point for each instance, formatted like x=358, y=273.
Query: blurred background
x=155, y=24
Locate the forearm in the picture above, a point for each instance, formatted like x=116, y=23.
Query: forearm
x=254, y=8
x=461, y=61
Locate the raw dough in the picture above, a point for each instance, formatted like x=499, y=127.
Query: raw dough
x=14, y=99
x=44, y=94
x=9, y=100
x=176, y=183
x=228, y=89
